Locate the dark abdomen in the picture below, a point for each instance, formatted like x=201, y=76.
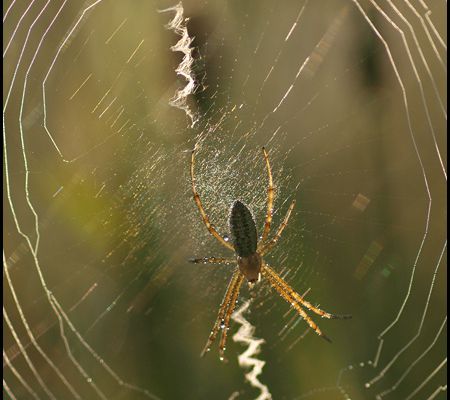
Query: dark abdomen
x=242, y=229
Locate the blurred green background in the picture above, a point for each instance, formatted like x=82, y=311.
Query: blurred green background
x=350, y=101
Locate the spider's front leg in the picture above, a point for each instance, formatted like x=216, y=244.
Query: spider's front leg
x=296, y=300
x=300, y=299
x=286, y=295
x=225, y=311
x=228, y=314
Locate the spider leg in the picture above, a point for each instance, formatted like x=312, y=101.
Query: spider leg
x=213, y=260
x=270, y=197
x=264, y=248
x=229, y=312
x=235, y=280
x=288, y=297
x=205, y=218
x=299, y=298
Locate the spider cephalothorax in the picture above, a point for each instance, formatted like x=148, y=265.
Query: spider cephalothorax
x=249, y=258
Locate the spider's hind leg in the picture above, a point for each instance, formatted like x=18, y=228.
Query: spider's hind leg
x=203, y=214
x=264, y=248
x=270, y=198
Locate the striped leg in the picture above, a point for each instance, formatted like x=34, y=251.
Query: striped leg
x=226, y=320
x=270, y=197
x=299, y=298
x=213, y=260
x=234, y=281
x=265, y=248
x=205, y=218
x=286, y=296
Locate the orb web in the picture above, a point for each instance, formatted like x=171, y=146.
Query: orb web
x=100, y=115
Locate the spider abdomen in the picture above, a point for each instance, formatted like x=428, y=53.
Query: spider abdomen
x=242, y=229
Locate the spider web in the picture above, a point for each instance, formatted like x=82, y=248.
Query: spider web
x=103, y=102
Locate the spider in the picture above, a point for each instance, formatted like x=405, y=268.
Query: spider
x=249, y=254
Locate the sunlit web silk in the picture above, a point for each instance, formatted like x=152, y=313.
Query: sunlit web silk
x=31, y=242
